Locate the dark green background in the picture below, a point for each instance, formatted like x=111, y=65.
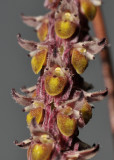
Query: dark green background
x=15, y=71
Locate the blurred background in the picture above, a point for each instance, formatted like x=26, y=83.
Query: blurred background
x=15, y=71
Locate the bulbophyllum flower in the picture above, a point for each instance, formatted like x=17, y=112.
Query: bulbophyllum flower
x=59, y=104
x=80, y=106
x=66, y=19
x=38, y=53
x=82, y=52
x=40, y=24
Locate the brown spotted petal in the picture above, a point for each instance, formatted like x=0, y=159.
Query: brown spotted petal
x=95, y=96
x=32, y=21
x=90, y=48
x=24, y=144
x=20, y=99
x=84, y=154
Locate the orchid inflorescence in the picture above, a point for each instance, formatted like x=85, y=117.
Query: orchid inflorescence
x=59, y=103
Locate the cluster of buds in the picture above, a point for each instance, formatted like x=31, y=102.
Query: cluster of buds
x=59, y=103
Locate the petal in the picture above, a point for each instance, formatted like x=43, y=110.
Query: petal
x=24, y=89
x=64, y=29
x=28, y=108
x=90, y=48
x=79, y=61
x=42, y=32
x=88, y=9
x=54, y=85
x=36, y=113
x=55, y=81
x=27, y=45
x=20, y=99
x=66, y=110
x=95, y=46
x=38, y=61
x=68, y=6
x=96, y=96
x=51, y=3
x=84, y=154
x=36, y=130
x=77, y=96
x=66, y=124
x=24, y=144
x=34, y=105
x=86, y=112
x=41, y=151
x=30, y=92
x=32, y=21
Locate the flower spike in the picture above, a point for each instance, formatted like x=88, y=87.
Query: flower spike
x=59, y=104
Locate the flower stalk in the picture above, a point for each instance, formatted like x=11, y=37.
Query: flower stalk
x=100, y=31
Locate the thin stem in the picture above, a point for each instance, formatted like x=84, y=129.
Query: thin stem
x=100, y=31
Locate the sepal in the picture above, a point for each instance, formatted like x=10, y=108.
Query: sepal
x=84, y=154
x=21, y=99
x=90, y=48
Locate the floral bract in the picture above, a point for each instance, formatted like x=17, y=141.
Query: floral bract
x=59, y=104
